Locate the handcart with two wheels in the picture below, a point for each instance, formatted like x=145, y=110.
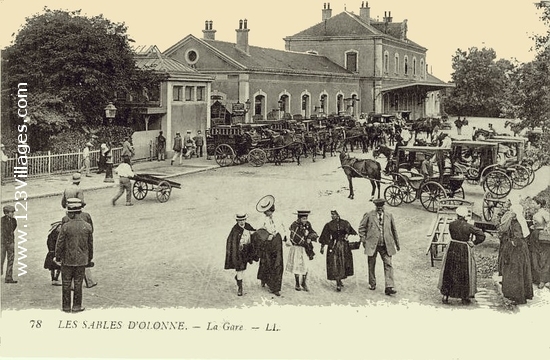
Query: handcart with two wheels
x=144, y=183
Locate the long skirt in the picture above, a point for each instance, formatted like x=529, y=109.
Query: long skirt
x=297, y=260
x=457, y=278
x=270, y=269
x=339, y=261
x=517, y=283
x=540, y=258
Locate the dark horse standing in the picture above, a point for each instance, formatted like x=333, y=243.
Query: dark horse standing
x=287, y=141
x=364, y=168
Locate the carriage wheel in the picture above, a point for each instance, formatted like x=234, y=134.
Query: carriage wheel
x=225, y=155
x=520, y=177
x=459, y=193
x=430, y=193
x=139, y=190
x=393, y=195
x=408, y=194
x=488, y=206
x=257, y=157
x=164, y=189
x=498, y=183
x=472, y=176
x=270, y=155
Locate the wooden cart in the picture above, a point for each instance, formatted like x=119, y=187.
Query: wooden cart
x=147, y=182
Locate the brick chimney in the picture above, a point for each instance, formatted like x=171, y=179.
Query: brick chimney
x=208, y=33
x=327, y=12
x=387, y=17
x=364, y=12
x=242, y=37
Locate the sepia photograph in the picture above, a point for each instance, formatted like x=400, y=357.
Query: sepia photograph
x=249, y=180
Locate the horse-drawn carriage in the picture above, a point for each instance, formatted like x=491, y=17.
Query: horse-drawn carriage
x=512, y=153
x=239, y=143
x=408, y=183
x=478, y=162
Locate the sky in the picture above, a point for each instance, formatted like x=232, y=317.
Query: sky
x=440, y=26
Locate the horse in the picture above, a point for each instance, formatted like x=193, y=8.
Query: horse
x=354, y=134
x=286, y=141
x=311, y=141
x=364, y=168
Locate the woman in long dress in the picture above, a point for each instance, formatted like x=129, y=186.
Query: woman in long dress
x=238, y=249
x=339, y=258
x=457, y=278
x=540, y=244
x=517, y=283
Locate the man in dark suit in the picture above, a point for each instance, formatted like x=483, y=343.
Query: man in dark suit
x=74, y=250
x=9, y=224
x=378, y=234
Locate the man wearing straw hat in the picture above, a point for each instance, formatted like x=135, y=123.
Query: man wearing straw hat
x=270, y=270
x=74, y=250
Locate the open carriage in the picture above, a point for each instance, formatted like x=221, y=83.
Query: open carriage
x=512, y=152
x=409, y=185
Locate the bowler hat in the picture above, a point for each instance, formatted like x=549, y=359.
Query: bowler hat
x=265, y=203
x=76, y=178
x=379, y=202
x=8, y=208
x=462, y=211
x=241, y=216
x=74, y=205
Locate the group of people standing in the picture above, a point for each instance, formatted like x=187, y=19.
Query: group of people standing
x=246, y=244
x=184, y=147
x=523, y=259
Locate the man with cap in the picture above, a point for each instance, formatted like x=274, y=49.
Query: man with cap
x=270, y=269
x=9, y=224
x=199, y=143
x=189, y=145
x=301, y=235
x=178, y=148
x=457, y=278
x=74, y=250
x=161, y=147
x=73, y=191
x=238, y=249
x=75, y=203
x=378, y=234
x=86, y=159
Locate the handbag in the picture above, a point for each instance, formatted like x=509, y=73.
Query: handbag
x=355, y=245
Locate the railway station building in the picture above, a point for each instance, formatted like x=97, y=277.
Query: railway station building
x=346, y=64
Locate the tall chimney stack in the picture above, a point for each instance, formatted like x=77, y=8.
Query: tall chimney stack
x=208, y=33
x=242, y=37
x=364, y=12
x=327, y=12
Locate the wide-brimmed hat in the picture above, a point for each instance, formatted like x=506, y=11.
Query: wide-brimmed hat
x=265, y=203
x=379, y=202
x=189, y=131
x=74, y=205
x=8, y=208
x=462, y=211
x=89, y=144
x=301, y=213
x=241, y=216
x=76, y=178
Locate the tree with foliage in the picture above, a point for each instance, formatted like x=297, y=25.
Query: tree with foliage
x=482, y=83
x=73, y=65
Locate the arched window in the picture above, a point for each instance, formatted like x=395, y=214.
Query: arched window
x=323, y=102
x=406, y=65
x=396, y=64
x=422, y=68
x=414, y=66
x=386, y=62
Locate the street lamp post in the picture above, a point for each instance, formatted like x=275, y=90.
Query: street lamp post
x=110, y=112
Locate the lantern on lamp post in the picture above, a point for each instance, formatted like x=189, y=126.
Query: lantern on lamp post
x=110, y=112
